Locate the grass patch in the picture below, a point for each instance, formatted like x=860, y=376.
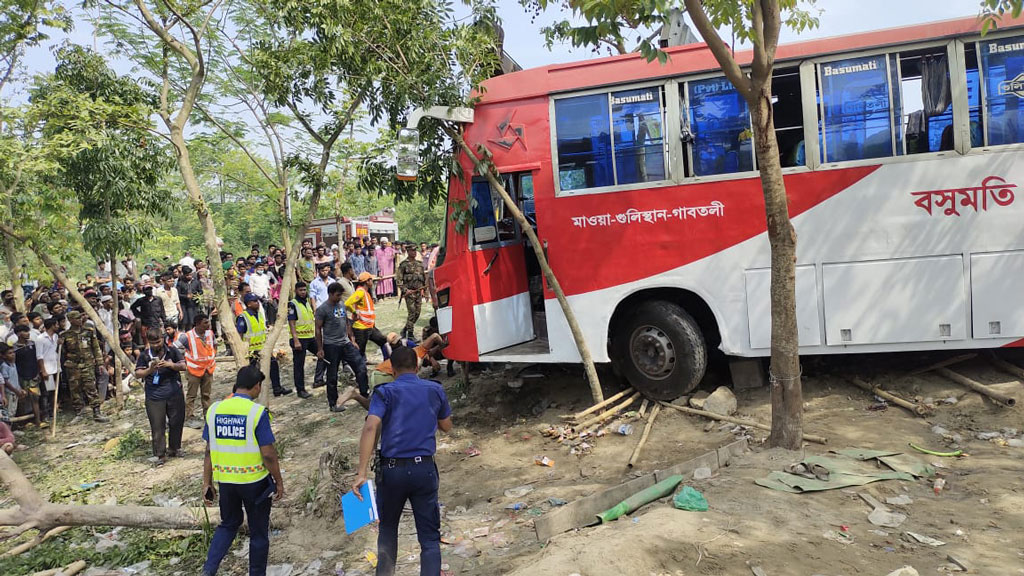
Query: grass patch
x=130, y=445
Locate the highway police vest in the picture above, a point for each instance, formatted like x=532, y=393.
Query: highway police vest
x=255, y=331
x=234, y=452
x=305, y=326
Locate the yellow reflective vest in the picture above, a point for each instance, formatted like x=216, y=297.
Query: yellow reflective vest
x=234, y=452
x=305, y=325
x=255, y=331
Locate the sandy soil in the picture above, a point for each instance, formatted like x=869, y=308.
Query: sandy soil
x=980, y=514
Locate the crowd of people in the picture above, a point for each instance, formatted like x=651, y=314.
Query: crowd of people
x=168, y=324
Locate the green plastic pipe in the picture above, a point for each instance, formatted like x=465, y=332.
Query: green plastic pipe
x=641, y=498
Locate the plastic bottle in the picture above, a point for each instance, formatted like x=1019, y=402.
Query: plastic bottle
x=939, y=484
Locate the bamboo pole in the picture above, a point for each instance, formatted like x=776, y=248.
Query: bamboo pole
x=25, y=546
x=597, y=406
x=549, y=274
x=917, y=409
x=643, y=438
x=1007, y=367
x=69, y=570
x=751, y=423
x=942, y=364
x=609, y=413
x=978, y=387
x=643, y=408
x=56, y=389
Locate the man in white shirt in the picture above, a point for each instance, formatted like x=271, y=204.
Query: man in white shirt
x=46, y=353
x=106, y=312
x=168, y=294
x=188, y=260
x=260, y=282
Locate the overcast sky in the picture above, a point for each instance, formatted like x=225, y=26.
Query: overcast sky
x=524, y=42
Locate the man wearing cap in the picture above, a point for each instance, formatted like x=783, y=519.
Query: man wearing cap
x=242, y=459
x=253, y=328
x=360, y=303
x=82, y=358
x=411, y=281
x=406, y=413
x=106, y=312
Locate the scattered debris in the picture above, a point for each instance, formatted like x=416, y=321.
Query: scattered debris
x=722, y=402
x=901, y=500
x=837, y=536
x=885, y=518
x=518, y=491
x=691, y=500
x=959, y=562
x=544, y=461
x=702, y=473
x=557, y=502
x=926, y=539
x=905, y=571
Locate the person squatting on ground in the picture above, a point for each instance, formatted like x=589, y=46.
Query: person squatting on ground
x=334, y=346
x=160, y=367
x=406, y=413
x=242, y=459
x=82, y=359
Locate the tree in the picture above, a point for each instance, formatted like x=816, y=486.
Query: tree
x=608, y=25
x=757, y=22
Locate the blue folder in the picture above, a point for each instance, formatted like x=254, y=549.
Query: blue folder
x=359, y=513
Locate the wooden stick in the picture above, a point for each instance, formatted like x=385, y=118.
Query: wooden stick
x=978, y=387
x=22, y=418
x=917, y=409
x=608, y=413
x=643, y=408
x=1005, y=366
x=598, y=406
x=69, y=570
x=643, y=437
x=56, y=388
x=942, y=364
x=751, y=423
x=25, y=546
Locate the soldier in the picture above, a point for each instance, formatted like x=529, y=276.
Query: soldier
x=82, y=358
x=411, y=281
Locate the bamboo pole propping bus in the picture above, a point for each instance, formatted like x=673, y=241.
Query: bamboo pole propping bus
x=978, y=387
x=917, y=409
x=643, y=438
x=751, y=423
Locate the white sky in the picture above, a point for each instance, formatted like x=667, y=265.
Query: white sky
x=524, y=42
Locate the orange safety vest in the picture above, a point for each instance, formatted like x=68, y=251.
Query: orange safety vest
x=201, y=355
x=366, y=314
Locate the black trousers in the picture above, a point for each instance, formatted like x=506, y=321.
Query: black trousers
x=275, y=369
x=335, y=354
x=364, y=335
x=299, y=364
x=166, y=421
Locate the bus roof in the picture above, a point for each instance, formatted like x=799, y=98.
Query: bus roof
x=696, y=58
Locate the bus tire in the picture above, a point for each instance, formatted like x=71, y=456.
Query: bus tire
x=660, y=349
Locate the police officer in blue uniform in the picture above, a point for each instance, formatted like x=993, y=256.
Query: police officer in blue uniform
x=407, y=412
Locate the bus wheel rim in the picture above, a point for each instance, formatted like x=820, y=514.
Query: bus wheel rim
x=652, y=352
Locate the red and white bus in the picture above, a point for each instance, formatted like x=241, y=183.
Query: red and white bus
x=903, y=154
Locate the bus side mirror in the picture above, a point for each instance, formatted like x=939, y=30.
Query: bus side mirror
x=408, y=160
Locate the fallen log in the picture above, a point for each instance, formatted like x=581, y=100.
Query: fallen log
x=25, y=546
x=942, y=364
x=917, y=409
x=643, y=437
x=69, y=570
x=978, y=387
x=35, y=512
x=1008, y=367
x=609, y=413
x=597, y=406
x=751, y=423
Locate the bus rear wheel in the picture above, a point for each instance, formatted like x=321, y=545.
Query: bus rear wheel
x=660, y=350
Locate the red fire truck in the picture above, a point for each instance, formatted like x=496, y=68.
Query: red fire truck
x=902, y=153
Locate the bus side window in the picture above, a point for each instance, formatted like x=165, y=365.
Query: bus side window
x=639, y=144
x=485, y=229
x=789, y=116
x=583, y=126
x=856, y=109
x=925, y=101
x=1002, y=70
x=720, y=127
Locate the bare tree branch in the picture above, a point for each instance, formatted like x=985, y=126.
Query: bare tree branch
x=718, y=48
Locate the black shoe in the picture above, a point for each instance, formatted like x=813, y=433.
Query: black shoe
x=304, y=394
x=282, y=392
x=319, y=383
x=451, y=368
x=338, y=408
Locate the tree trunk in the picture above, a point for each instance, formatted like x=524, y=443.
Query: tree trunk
x=570, y=317
x=115, y=380
x=195, y=198
x=14, y=269
x=787, y=395
x=288, y=282
x=34, y=512
x=54, y=269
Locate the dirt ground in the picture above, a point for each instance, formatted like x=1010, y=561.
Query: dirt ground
x=979, y=515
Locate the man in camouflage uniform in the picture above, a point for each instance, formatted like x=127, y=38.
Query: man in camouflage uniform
x=411, y=281
x=82, y=358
